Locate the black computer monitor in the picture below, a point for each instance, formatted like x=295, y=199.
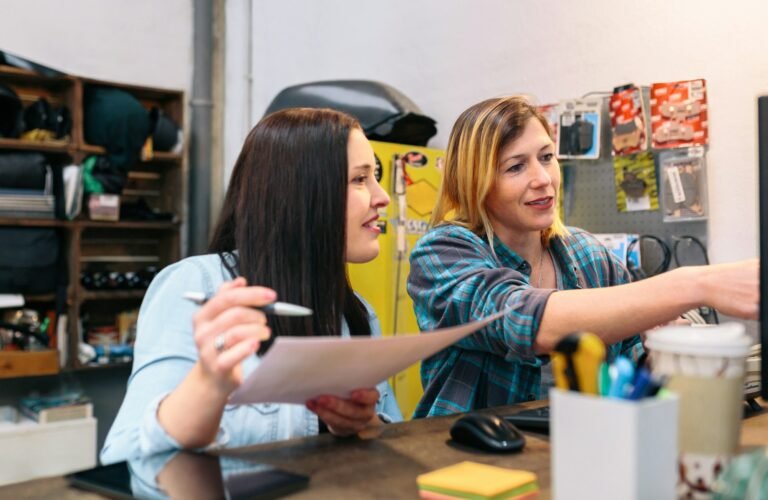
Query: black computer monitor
x=762, y=141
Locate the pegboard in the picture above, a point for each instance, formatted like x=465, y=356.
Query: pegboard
x=590, y=199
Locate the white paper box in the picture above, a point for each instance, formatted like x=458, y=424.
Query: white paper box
x=606, y=448
x=29, y=450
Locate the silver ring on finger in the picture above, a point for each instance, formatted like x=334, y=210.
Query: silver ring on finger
x=220, y=342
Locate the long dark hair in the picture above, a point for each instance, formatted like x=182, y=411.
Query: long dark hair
x=283, y=223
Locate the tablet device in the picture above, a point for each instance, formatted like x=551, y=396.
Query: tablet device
x=113, y=481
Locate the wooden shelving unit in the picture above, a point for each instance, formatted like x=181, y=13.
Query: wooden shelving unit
x=111, y=294
x=93, y=244
x=28, y=363
x=63, y=147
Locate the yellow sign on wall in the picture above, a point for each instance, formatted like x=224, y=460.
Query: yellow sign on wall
x=411, y=175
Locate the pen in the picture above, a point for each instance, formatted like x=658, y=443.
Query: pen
x=276, y=308
x=625, y=371
x=640, y=384
x=604, y=379
x=655, y=386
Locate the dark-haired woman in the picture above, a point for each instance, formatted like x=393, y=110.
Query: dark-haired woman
x=301, y=203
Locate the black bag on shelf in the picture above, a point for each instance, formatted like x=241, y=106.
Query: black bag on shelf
x=116, y=120
x=40, y=115
x=31, y=260
x=10, y=112
x=29, y=171
x=166, y=134
x=22, y=171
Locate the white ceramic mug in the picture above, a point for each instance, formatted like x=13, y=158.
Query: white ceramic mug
x=705, y=367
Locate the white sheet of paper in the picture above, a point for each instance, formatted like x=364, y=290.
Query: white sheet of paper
x=297, y=369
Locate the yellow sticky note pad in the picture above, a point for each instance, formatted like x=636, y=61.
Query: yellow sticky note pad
x=474, y=480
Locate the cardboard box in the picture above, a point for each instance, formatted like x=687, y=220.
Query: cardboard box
x=31, y=450
x=104, y=207
x=607, y=448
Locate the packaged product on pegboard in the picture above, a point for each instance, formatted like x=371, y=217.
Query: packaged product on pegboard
x=549, y=111
x=628, y=125
x=579, y=129
x=683, y=184
x=635, y=182
x=679, y=114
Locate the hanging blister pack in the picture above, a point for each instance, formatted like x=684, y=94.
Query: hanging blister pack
x=550, y=112
x=679, y=115
x=579, y=132
x=683, y=185
x=628, y=125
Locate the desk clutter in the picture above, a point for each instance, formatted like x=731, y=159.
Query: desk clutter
x=664, y=427
x=477, y=481
x=578, y=364
x=611, y=435
x=27, y=329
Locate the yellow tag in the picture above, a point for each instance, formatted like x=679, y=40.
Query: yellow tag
x=147, y=151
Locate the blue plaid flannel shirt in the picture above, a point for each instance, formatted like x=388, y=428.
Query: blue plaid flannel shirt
x=455, y=279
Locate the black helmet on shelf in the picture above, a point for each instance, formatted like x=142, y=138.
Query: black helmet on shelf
x=384, y=112
x=41, y=115
x=166, y=135
x=10, y=112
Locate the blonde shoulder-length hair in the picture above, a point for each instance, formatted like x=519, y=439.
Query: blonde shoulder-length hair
x=471, y=160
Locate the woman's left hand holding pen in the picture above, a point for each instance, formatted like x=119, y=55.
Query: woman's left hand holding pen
x=228, y=329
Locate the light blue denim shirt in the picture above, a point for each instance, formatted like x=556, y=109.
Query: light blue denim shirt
x=165, y=352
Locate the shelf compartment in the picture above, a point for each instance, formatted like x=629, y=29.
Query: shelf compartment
x=112, y=294
x=85, y=223
x=58, y=91
x=28, y=221
x=126, y=224
x=63, y=147
x=18, y=76
x=45, y=297
x=157, y=156
x=105, y=366
x=28, y=363
x=142, y=259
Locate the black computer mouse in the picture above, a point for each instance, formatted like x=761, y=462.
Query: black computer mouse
x=488, y=432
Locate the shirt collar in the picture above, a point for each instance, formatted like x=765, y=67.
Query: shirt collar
x=508, y=258
x=568, y=262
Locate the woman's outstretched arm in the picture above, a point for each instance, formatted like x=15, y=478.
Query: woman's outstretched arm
x=618, y=312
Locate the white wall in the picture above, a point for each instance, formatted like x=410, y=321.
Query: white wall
x=447, y=55
x=143, y=42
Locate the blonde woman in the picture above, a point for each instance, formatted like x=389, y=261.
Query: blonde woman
x=497, y=241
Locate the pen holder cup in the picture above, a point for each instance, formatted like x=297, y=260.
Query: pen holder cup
x=613, y=448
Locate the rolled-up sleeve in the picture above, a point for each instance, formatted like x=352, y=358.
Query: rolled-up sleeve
x=455, y=279
x=164, y=353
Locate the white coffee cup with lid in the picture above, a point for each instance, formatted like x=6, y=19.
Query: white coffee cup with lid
x=705, y=367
